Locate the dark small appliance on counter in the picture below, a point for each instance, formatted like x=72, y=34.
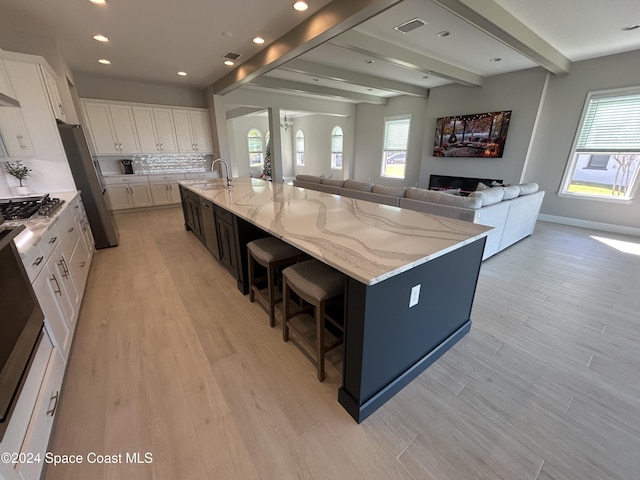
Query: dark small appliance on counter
x=127, y=166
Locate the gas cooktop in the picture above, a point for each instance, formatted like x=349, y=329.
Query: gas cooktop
x=21, y=208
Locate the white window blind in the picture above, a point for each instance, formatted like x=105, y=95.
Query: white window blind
x=396, y=134
x=611, y=124
x=336, y=140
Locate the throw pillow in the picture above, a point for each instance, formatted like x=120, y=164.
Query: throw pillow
x=528, y=188
x=511, y=192
x=333, y=182
x=489, y=196
x=481, y=186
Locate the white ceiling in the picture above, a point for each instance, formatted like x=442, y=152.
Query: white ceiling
x=151, y=40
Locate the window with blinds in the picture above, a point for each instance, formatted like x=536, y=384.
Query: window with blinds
x=396, y=140
x=300, y=148
x=256, y=148
x=336, y=148
x=605, y=160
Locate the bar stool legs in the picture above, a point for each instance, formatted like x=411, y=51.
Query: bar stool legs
x=272, y=254
x=318, y=285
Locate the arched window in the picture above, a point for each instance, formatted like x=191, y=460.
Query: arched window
x=300, y=148
x=336, y=148
x=256, y=148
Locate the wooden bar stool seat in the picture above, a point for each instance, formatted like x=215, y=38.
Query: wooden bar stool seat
x=319, y=286
x=272, y=253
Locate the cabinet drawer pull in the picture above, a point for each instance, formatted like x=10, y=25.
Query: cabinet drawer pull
x=58, y=291
x=54, y=398
x=37, y=261
x=53, y=240
x=82, y=264
x=70, y=230
x=77, y=206
x=65, y=273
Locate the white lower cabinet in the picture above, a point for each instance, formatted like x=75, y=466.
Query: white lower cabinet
x=30, y=426
x=132, y=195
x=58, y=278
x=56, y=305
x=164, y=188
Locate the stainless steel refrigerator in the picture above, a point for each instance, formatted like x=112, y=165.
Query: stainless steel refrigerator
x=88, y=180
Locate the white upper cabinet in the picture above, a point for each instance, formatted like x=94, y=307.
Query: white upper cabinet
x=193, y=131
x=155, y=128
x=112, y=128
x=53, y=93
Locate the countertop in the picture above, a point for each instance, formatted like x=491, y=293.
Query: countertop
x=35, y=228
x=367, y=241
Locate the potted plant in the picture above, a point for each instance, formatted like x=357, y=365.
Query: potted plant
x=20, y=171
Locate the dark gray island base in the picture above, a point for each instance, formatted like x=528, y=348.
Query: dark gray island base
x=388, y=339
x=388, y=344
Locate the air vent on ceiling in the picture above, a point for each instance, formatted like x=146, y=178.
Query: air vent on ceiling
x=406, y=27
x=231, y=56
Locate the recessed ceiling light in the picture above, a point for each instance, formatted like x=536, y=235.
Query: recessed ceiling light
x=100, y=38
x=227, y=34
x=425, y=76
x=369, y=89
x=104, y=61
x=300, y=6
x=443, y=34
x=258, y=40
x=182, y=74
x=628, y=28
x=229, y=62
x=496, y=59
x=315, y=79
x=99, y=2
x=370, y=61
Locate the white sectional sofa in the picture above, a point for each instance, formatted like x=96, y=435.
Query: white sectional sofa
x=511, y=210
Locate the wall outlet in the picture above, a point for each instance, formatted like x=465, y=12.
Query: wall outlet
x=415, y=296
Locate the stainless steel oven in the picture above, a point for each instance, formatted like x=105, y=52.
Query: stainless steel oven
x=21, y=321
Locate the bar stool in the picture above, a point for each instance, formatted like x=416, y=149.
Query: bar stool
x=272, y=254
x=319, y=286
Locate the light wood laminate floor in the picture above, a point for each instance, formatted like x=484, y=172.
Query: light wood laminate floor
x=169, y=358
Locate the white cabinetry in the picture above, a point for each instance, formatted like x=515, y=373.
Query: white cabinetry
x=112, y=128
x=30, y=426
x=33, y=130
x=44, y=258
x=14, y=132
x=193, y=131
x=156, y=131
x=164, y=188
x=53, y=93
x=126, y=192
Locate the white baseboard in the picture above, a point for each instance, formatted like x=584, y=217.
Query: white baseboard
x=576, y=222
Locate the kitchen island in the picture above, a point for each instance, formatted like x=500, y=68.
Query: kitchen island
x=411, y=277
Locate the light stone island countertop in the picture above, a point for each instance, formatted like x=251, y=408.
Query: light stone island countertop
x=366, y=241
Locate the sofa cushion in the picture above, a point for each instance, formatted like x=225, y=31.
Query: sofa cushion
x=393, y=191
x=360, y=186
x=528, y=188
x=333, y=182
x=511, y=192
x=434, y=196
x=308, y=178
x=489, y=196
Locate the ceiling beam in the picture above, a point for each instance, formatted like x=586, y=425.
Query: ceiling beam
x=280, y=84
x=333, y=19
x=242, y=111
x=374, y=47
x=355, y=78
x=494, y=20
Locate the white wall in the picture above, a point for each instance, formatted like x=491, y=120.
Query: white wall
x=89, y=86
x=317, y=144
x=370, y=137
x=520, y=92
x=238, y=129
x=559, y=120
